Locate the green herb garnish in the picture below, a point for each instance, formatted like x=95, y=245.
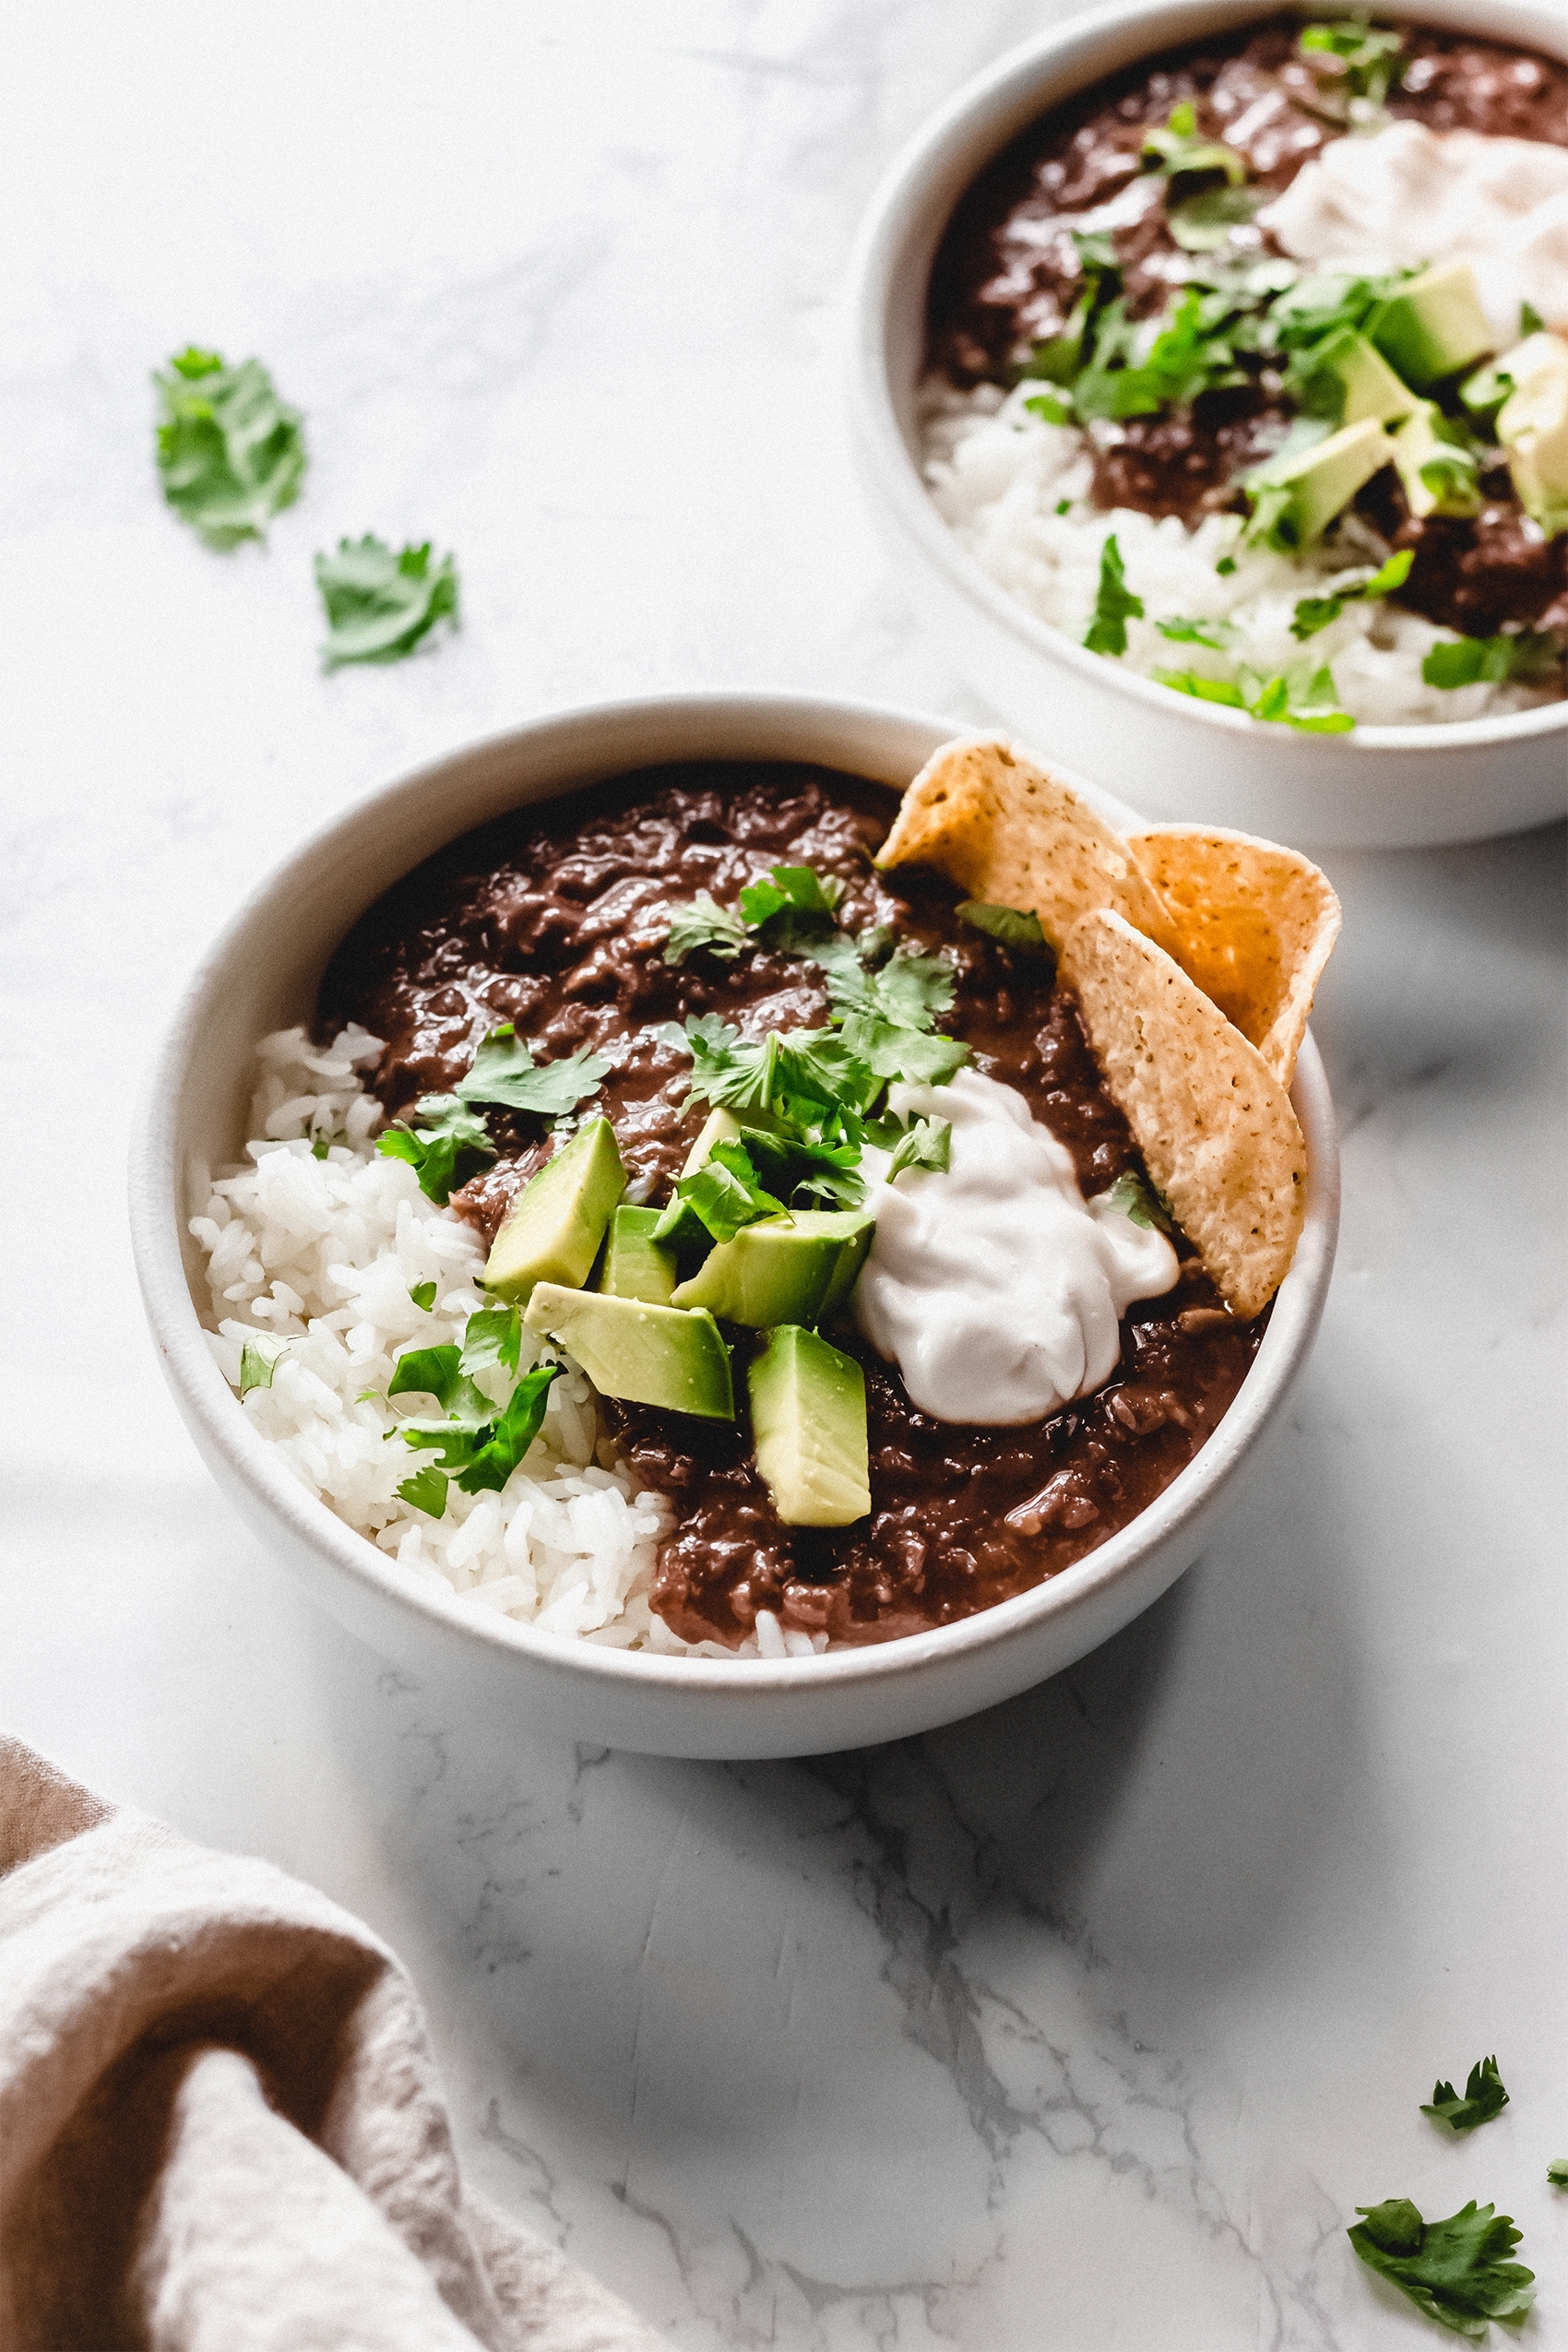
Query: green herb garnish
x=1215, y=634
x=447, y=1137
x=1470, y=660
x=789, y=909
x=1456, y=2271
x=506, y=1073
x=492, y=1335
x=424, y=1295
x=1530, y=320
x=1137, y=1198
x=1179, y=148
x=925, y=1143
x=1114, y=604
x=426, y=1491
x=1362, y=59
x=1224, y=566
x=1011, y=925
x=704, y=924
x=231, y=455
x=1484, y=2098
x=256, y=1367
x=1204, y=222
x=1557, y=2172
x=1315, y=612
x=482, y=1443
x=380, y=604
x=1274, y=701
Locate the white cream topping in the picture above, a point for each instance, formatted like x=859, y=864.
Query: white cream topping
x=1406, y=195
x=994, y=1286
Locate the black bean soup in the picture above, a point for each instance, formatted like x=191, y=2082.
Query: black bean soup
x=1007, y=277
x=556, y=920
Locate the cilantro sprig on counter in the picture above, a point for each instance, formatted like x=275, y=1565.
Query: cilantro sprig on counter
x=447, y=1141
x=1484, y=2098
x=380, y=602
x=1457, y=2272
x=230, y=454
x=480, y=1442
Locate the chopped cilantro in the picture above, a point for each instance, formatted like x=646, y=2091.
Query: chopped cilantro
x=509, y=1438
x=799, y=886
x=446, y=1135
x=1187, y=682
x=493, y=1336
x=440, y=1372
x=789, y=909
x=1453, y=473
x=257, y=1367
x=424, y=1295
x=1011, y=925
x=805, y=1174
x=1484, y=2098
x=704, y=924
x=231, y=455
x=1215, y=634
x=1179, y=148
x=1456, y=2271
x=1137, y=1199
x=1468, y=660
x=1204, y=222
x=1114, y=604
x=481, y=1445
x=1063, y=505
x=723, y=1195
x=380, y=604
x=426, y=1491
x=1358, y=56
x=1315, y=612
x=1557, y=2172
x=1530, y=320
x=1050, y=409
x=505, y=1072
x=1275, y=700
x=926, y=1143
x=319, y=1148
x=1224, y=566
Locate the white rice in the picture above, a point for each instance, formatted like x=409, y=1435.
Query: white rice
x=312, y=1260
x=997, y=475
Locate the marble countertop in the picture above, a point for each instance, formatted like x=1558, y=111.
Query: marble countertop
x=1085, y=2024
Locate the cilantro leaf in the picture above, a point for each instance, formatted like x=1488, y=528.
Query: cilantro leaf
x=1187, y=682
x=1315, y=612
x=447, y=1134
x=1114, y=605
x=704, y=923
x=509, y=1438
x=803, y=1173
x=1135, y=1197
x=440, y=1372
x=505, y=1072
x=1456, y=2271
x=231, y=455
x=424, y=1295
x=1361, y=57
x=1484, y=2098
x=1469, y=660
x=1557, y=2172
x=493, y=1336
x=891, y=1051
x=380, y=604
x=1012, y=927
x=257, y=1367
x=1178, y=149
x=1204, y=222
x=426, y=1491
x=1273, y=702
x=1530, y=320
x=926, y=1143
x=1215, y=634
x=799, y=886
x=723, y=1195
x=909, y=991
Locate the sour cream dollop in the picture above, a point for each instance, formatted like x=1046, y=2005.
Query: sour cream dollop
x=994, y=1286
x=1406, y=195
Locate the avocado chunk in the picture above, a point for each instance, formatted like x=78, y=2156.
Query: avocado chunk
x=783, y=1270
x=1319, y=481
x=1351, y=380
x=809, y=1427
x=720, y=1127
x=1439, y=474
x=1433, y=325
x=647, y=1354
x=635, y=1266
x=1532, y=425
x=555, y=1225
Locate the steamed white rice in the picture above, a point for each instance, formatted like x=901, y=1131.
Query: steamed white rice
x=310, y=1260
x=998, y=475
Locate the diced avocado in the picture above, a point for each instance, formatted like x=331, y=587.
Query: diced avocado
x=648, y=1355
x=1533, y=427
x=1352, y=381
x=783, y=1270
x=1437, y=474
x=809, y=1429
x=1319, y=480
x=555, y=1225
x=635, y=1266
x=1433, y=325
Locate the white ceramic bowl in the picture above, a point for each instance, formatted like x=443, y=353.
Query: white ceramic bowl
x=1381, y=785
x=263, y=974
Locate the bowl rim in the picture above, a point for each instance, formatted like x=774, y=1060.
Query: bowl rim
x=157, y=1220
x=954, y=143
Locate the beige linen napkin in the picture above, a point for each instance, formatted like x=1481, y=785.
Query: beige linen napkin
x=221, y=2125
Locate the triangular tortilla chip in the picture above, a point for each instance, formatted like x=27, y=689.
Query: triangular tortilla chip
x=1212, y=1121
x=1254, y=925
x=1015, y=836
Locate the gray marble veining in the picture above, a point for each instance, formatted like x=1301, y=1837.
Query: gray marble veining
x=1085, y=2024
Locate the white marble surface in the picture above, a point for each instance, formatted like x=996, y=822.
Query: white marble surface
x=1083, y=2025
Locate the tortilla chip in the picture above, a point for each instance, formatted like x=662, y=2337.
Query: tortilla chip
x=1013, y=834
x=1212, y=1121
x=1252, y=924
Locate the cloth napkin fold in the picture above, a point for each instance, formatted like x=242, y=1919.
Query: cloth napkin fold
x=221, y=2129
